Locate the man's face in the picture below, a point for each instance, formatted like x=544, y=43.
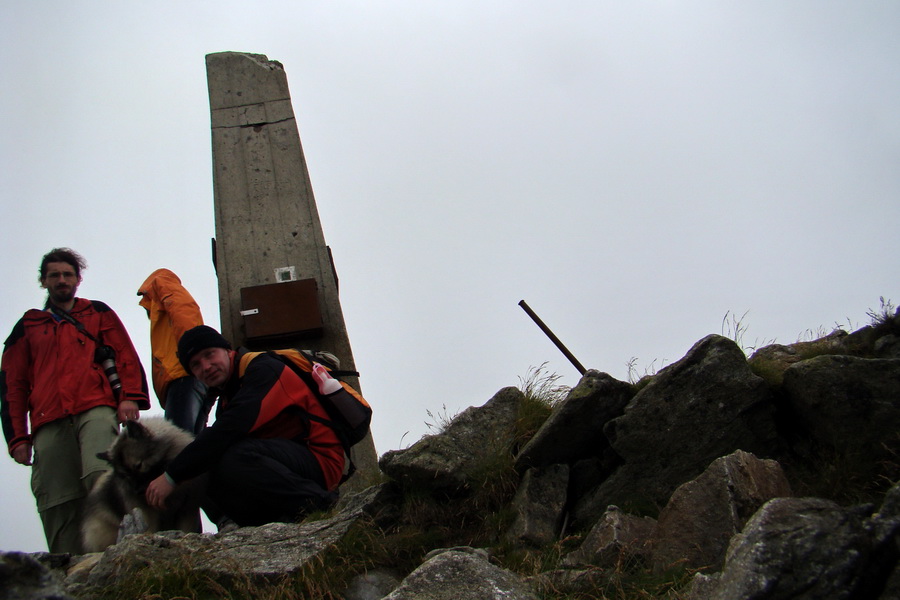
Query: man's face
x=212, y=366
x=61, y=282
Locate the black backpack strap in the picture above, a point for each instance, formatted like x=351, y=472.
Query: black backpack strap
x=75, y=322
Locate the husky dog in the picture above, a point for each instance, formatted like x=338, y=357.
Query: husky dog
x=140, y=454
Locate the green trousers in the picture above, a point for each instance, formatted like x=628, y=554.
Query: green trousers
x=65, y=467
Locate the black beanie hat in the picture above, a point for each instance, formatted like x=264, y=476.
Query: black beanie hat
x=199, y=338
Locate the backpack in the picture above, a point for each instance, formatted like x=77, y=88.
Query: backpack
x=349, y=413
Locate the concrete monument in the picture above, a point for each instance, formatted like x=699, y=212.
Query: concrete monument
x=277, y=282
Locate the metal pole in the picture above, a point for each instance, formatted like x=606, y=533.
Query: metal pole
x=552, y=337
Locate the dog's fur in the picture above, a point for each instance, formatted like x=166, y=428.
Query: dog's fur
x=140, y=454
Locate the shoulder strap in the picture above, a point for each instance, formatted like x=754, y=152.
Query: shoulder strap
x=78, y=324
x=246, y=357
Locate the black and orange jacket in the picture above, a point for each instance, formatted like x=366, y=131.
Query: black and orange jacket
x=48, y=370
x=267, y=402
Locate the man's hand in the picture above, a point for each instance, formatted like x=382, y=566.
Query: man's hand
x=22, y=454
x=128, y=409
x=158, y=491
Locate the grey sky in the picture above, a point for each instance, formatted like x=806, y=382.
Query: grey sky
x=634, y=171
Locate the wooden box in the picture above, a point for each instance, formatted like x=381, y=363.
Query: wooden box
x=276, y=310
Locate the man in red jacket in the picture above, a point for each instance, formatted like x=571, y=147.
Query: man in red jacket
x=60, y=401
x=267, y=460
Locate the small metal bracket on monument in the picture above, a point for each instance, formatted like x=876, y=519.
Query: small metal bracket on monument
x=250, y=311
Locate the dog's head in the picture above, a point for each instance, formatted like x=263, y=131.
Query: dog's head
x=137, y=456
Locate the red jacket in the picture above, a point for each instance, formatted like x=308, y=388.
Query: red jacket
x=48, y=369
x=261, y=405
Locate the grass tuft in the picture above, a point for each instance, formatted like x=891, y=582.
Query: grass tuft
x=542, y=393
x=440, y=421
x=542, y=386
x=639, y=381
x=882, y=316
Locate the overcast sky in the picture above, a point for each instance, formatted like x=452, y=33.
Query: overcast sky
x=637, y=172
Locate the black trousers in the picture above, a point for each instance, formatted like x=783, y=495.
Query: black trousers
x=261, y=481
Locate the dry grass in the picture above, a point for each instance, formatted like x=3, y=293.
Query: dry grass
x=884, y=315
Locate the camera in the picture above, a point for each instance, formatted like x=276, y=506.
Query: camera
x=105, y=356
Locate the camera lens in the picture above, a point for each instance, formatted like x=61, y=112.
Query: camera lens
x=109, y=367
x=105, y=356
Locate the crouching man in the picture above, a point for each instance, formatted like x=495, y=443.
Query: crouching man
x=267, y=460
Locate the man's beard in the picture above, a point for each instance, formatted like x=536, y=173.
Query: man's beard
x=58, y=296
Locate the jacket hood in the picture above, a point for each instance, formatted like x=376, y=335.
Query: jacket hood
x=154, y=284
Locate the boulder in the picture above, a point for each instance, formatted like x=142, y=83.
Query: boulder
x=810, y=548
x=449, y=460
x=880, y=340
x=372, y=585
x=32, y=576
x=574, y=430
x=694, y=528
x=266, y=552
x=455, y=574
x=616, y=538
x=539, y=504
x=841, y=400
x=705, y=406
x=887, y=346
x=772, y=361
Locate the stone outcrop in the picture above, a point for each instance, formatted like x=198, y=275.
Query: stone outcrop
x=450, y=459
x=690, y=470
x=841, y=399
x=539, y=505
x=572, y=432
x=270, y=551
x=704, y=514
x=455, y=574
x=616, y=537
x=809, y=548
x=704, y=406
x=37, y=576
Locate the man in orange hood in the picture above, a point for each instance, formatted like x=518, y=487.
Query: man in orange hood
x=172, y=311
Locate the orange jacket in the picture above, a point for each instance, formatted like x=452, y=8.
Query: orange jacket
x=172, y=311
x=48, y=370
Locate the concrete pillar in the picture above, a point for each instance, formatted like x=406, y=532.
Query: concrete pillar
x=266, y=216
